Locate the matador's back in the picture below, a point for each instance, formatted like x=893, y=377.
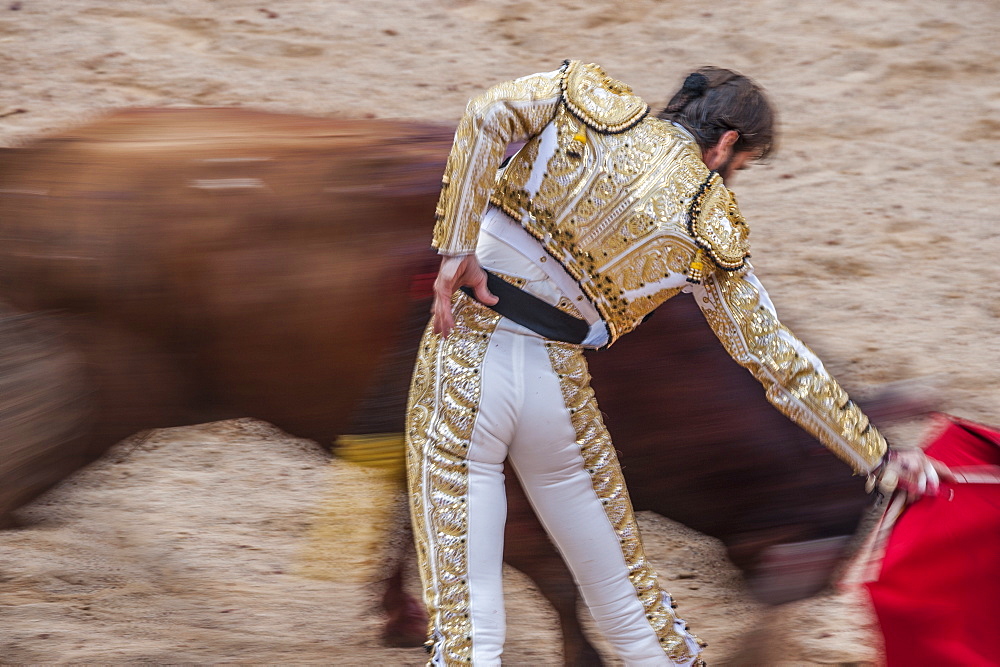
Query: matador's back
x=621, y=199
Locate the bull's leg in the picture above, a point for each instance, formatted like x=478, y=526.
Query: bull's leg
x=790, y=571
x=70, y=388
x=374, y=437
x=527, y=548
x=138, y=383
x=406, y=622
x=46, y=415
x=555, y=583
x=406, y=618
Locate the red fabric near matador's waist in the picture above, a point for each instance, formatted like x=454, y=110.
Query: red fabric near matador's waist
x=422, y=285
x=938, y=593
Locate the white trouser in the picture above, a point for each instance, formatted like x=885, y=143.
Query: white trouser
x=494, y=390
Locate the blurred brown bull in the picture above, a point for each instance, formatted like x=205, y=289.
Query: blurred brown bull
x=169, y=267
x=203, y=264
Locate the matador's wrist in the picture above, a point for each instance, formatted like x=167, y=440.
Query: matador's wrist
x=877, y=474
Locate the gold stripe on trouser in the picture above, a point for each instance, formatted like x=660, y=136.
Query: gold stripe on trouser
x=440, y=417
x=609, y=484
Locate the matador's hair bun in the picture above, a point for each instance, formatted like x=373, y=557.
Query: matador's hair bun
x=694, y=87
x=695, y=84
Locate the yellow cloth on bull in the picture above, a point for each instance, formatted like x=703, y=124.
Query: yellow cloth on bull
x=363, y=512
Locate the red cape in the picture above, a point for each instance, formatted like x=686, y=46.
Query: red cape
x=937, y=596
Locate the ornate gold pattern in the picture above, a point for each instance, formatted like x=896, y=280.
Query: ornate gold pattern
x=440, y=417
x=505, y=113
x=796, y=384
x=603, y=103
x=567, y=306
x=609, y=484
x=718, y=227
x=618, y=185
x=614, y=211
x=516, y=281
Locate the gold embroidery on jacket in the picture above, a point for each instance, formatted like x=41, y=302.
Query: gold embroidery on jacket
x=511, y=111
x=613, y=210
x=718, y=227
x=613, y=199
x=603, y=103
x=808, y=395
x=566, y=305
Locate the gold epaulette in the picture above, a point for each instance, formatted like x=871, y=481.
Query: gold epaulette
x=600, y=102
x=717, y=227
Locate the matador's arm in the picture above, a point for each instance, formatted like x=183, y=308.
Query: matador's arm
x=506, y=113
x=741, y=314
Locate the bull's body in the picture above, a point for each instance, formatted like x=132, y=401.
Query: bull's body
x=214, y=263
x=168, y=267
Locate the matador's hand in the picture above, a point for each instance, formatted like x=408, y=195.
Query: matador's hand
x=913, y=472
x=455, y=272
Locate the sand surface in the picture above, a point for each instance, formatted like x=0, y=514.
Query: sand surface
x=875, y=228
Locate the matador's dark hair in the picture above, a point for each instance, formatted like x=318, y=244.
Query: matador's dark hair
x=713, y=100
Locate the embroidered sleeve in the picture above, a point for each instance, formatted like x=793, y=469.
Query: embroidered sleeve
x=742, y=316
x=509, y=112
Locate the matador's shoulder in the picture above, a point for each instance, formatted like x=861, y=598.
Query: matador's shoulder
x=602, y=103
x=717, y=226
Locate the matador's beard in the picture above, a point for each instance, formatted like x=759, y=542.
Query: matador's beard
x=726, y=169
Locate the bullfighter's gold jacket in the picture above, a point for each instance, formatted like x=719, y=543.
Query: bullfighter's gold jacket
x=624, y=202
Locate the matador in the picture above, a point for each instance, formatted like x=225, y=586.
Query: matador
x=604, y=213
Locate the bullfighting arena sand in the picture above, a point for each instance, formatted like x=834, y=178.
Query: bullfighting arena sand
x=875, y=228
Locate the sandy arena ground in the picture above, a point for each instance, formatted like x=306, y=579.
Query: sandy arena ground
x=875, y=228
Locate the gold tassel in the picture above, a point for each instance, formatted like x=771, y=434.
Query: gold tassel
x=696, y=270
